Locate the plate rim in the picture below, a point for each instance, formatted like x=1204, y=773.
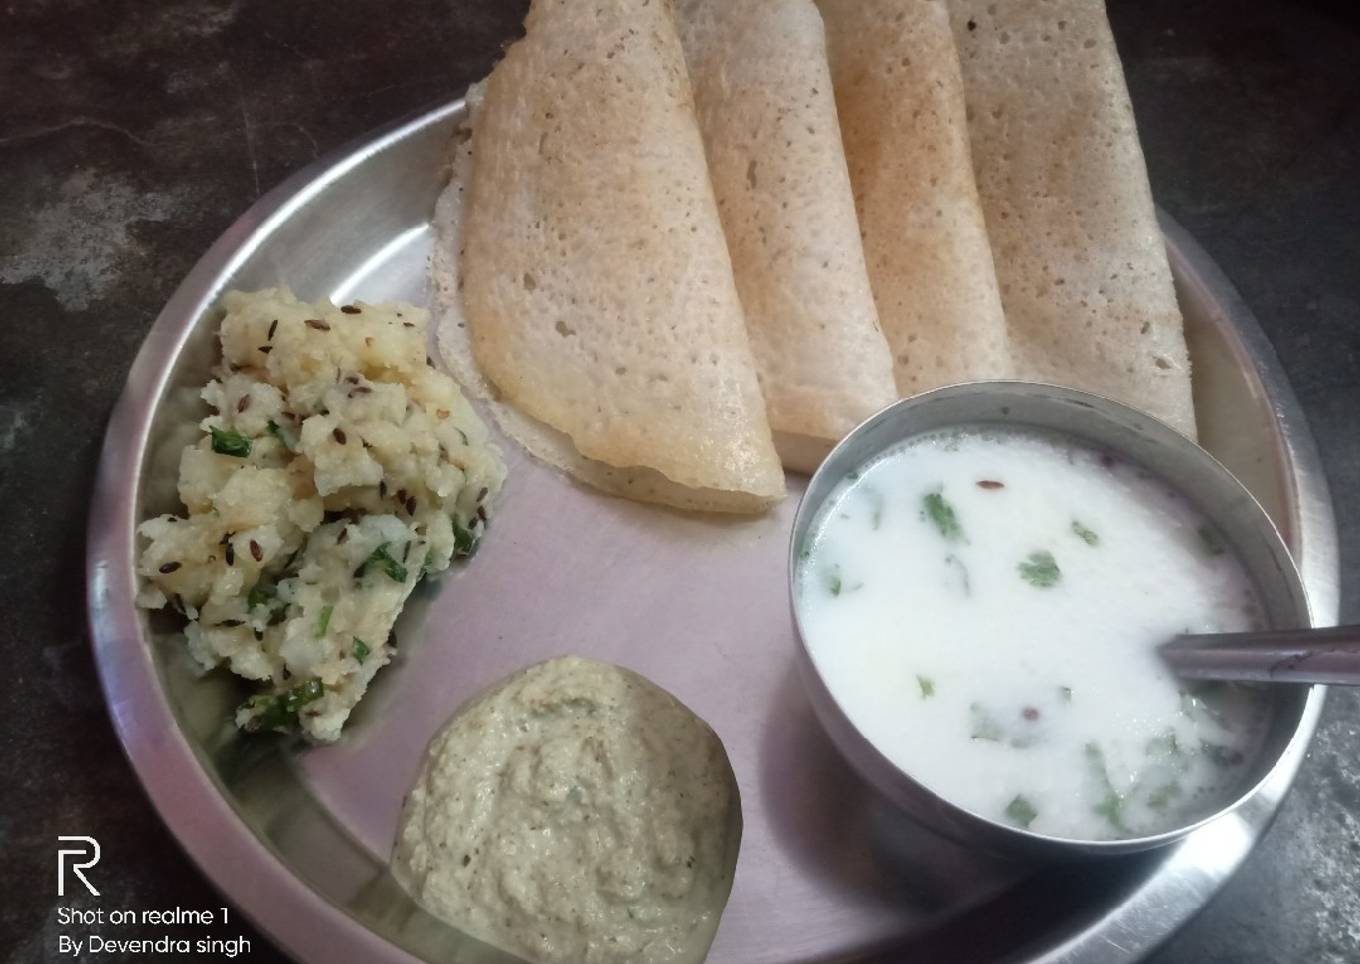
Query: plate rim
x=306, y=924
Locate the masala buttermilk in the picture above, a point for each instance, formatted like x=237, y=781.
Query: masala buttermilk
x=986, y=605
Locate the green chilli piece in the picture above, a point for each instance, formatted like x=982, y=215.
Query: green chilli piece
x=227, y=442
x=1021, y=811
x=1040, y=570
x=1086, y=535
x=324, y=622
x=940, y=512
x=302, y=694
x=361, y=650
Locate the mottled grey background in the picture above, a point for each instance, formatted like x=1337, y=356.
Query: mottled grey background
x=133, y=133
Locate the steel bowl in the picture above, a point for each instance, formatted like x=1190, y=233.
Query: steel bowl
x=1108, y=426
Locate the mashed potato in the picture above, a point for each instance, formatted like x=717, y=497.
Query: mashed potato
x=339, y=468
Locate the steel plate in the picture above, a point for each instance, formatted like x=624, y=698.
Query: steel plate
x=299, y=840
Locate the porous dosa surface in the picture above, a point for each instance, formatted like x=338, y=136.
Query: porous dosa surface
x=900, y=100
x=1082, y=264
x=539, y=440
x=596, y=281
x=767, y=110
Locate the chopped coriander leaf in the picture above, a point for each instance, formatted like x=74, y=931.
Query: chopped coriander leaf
x=465, y=541
x=876, y=506
x=226, y=442
x=277, y=432
x=380, y=557
x=940, y=512
x=1040, y=570
x=267, y=713
x=361, y=649
x=1194, y=706
x=984, y=725
x=1111, y=805
x=1213, y=545
x=261, y=594
x=278, y=711
x=1220, y=756
x=927, y=686
x=1086, y=535
x=1066, y=693
x=1021, y=811
x=957, y=565
x=833, y=581
x=1111, y=808
x=324, y=622
x=1166, y=745
x=1161, y=798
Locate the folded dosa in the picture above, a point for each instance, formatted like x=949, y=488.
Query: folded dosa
x=1083, y=270
x=767, y=110
x=900, y=100
x=597, y=287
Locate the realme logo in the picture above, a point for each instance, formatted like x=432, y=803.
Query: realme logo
x=69, y=857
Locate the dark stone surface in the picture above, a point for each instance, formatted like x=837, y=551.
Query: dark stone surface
x=132, y=134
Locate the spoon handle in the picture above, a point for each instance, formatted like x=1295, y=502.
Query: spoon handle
x=1330, y=656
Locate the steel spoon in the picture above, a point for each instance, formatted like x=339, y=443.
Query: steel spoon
x=1330, y=656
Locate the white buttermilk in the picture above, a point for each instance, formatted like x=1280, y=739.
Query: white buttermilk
x=985, y=606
